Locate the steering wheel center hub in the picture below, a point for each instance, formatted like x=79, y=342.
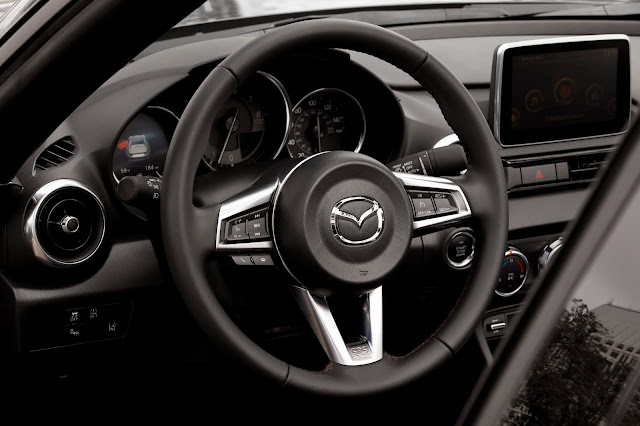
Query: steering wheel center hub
x=342, y=223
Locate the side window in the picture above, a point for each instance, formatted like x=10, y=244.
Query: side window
x=588, y=372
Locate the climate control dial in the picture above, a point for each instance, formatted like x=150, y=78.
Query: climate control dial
x=513, y=274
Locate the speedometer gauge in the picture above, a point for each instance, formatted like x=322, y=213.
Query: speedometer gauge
x=326, y=120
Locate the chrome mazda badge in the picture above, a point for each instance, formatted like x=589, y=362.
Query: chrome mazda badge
x=338, y=215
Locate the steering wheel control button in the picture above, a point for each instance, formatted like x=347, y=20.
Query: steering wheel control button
x=445, y=204
x=495, y=325
x=237, y=230
x=422, y=204
x=538, y=174
x=252, y=226
x=262, y=259
x=460, y=249
x=242, y=260
x=256, y=228
x=513, y=274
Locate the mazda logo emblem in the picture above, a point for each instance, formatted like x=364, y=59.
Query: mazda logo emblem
x=337, y=215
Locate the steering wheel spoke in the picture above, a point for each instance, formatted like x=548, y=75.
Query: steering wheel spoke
x=364, y=342
x=243, y=222
x=437, y=202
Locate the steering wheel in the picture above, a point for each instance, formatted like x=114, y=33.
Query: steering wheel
x=339, y=222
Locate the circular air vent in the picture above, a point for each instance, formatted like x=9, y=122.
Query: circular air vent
x=64, y=223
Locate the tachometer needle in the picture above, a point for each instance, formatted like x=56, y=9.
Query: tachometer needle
x=226, y=141
x=319, y=133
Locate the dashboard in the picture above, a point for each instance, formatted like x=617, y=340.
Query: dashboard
x=296, y=106
x=326, y=104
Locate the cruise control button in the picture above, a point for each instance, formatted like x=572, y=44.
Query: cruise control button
x=423, y=208
x=445, y=204
x=237, y=231
x=242, y=260
x=262, y=259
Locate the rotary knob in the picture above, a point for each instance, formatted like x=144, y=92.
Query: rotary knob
x=513, y=274
x=548, y=253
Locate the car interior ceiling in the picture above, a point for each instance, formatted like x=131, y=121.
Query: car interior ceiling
x=309, y=130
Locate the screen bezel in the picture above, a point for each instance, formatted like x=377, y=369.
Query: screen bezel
x=502, y=85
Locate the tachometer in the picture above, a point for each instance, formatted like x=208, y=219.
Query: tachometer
x=252, y=124
x=142, y=147
x=326, y=120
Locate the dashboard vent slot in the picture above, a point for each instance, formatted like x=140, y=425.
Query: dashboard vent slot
x=585, y=167
x=55, y=154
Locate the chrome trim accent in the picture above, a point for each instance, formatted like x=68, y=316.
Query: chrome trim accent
x=168, y=111
x=239, y=205
x=375, y=209
x=498, y=80
x=548, y=252
x=413, y=181
x=317, y=312
x=287, y=104
x=467, y=261
x=64, y=224
x=498, y=326
x=363, y=131
x=287, y=107
x=447, y=140
x=515, y=252
x=31, y=215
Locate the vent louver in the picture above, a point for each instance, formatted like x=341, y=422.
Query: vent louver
x=55, y=154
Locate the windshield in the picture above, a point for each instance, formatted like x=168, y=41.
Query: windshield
x=218, y=10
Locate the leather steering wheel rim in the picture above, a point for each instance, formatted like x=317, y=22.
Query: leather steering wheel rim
x=187, y=230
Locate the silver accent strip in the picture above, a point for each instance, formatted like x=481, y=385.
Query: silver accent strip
x=548, y=252
x=317, y=312
x=467, y=261
x=498, y=80
x=163, y=109
x=31, y=215
x=239, y=205
x=447, y=140
x=412, y=181
x=287, y=107
x=374, y=210
x=363, y=131
x=514, y=252
x=498, y=326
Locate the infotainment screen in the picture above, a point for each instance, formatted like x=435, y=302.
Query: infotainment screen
x=562, y=88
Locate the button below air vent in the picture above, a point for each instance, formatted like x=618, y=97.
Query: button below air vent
x=65, y=223
x=55, y=154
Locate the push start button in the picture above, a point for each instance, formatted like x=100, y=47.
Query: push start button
x=460, y=249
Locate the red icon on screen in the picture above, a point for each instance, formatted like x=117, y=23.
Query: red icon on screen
x=564, y=91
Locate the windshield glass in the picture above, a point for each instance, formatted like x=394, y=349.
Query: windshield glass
x=218, y=10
